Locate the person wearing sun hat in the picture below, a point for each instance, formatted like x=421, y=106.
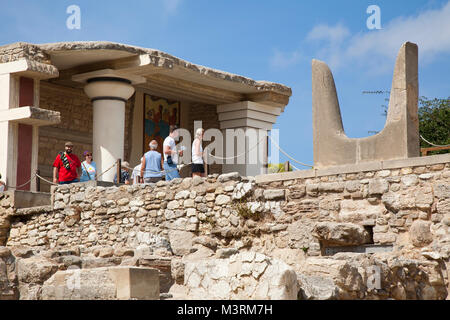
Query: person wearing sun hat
x=66, y=167
x=88, y=168
x=124, y=174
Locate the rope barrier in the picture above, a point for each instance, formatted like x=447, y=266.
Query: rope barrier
x=434, y=145
x=98, y=176
x=35, y=175
x=45, y=180
x=162, y=171
x=17, y=187
x=239, y=155
x=282, y=151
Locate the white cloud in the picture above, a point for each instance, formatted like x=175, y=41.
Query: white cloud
x=171, y=6
x=376, y=50
x=325, y=32
x=430, y=30
x=282, y=60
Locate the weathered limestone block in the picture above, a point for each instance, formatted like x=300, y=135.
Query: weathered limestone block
x=106, y=252
x=181, y=242
x=124, y=252
x=184, y=194
x=330, y=204
x=344, y=275
x=353, y=186
x=229, y=176
x=317, y=288
x=409, y=180
x=121, y=283
x=424, y=198
x=331, y=187
x=299, y=235
x=242, y=276
x=35, y=269
x=441, y=190
x=173, y=214
x=341, y=233
x=172, y=205
x=296, y=192
x=222, y=200
x=378, y=186
x=443, y=206
x=241, y=190
x=8, y=275
x=274, y=194
x=384, y=238
x=359, y=210
x=395, y=201
x=92, y=263
x=420, y=233
x=414, y=279
x=206, y=241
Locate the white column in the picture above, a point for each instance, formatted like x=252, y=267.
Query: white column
x=8, y=131
x=109, y=96
x=250, y=121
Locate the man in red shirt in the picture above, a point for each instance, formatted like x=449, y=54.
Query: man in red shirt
x=66, y=166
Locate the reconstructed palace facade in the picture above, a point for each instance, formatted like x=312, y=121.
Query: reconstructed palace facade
x=112, y=99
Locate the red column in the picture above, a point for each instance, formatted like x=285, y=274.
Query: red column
x=25, y=136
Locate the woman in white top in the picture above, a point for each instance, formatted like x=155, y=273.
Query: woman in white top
x=198, y=167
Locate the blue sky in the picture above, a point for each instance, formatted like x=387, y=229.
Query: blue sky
x=266, y=40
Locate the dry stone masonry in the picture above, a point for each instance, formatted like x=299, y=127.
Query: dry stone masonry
x=367, y=235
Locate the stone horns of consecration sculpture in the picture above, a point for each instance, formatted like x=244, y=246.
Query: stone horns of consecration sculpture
x=398, y=140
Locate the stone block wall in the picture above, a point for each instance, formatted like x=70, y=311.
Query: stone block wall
x=20, y=50
x=396, y=205
x=404, y=212
x=6, y=210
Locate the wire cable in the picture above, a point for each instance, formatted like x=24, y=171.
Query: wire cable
x=287, y=155
x=432, y=144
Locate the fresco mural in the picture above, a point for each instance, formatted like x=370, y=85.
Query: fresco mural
x=159, y=115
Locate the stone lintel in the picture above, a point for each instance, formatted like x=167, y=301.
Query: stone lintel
x=29, y=68
x=247, y=114
x=31, y=115
x=268, y=98
x=245, y=123
x=84, y=77
x=248, y=105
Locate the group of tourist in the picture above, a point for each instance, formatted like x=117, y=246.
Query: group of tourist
x=152, y=163
x=153, y=167
x=67, y=166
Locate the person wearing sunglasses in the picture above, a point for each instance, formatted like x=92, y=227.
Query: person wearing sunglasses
x=88, y=168
x=66, y=166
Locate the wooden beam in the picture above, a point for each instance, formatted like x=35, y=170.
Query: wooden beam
x=426, y=150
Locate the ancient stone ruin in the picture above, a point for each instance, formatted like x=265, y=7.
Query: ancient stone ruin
x=375, y=226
